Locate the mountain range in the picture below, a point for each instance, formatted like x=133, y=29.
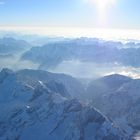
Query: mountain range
x=31, y=109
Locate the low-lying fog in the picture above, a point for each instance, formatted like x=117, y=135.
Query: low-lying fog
x=93, y=70
x=66, y=61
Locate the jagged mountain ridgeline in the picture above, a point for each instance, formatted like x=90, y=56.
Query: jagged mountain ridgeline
x=66, y=90
x=69, y=69
x=85, y=50
x=40, y=108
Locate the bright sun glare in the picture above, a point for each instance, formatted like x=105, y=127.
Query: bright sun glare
x=102, y=7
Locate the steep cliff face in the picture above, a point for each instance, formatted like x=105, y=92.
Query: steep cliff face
x=35, y=111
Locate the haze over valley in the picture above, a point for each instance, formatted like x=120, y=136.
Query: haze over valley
x=69, y=70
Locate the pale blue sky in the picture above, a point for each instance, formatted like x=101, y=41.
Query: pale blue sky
x=69, y=13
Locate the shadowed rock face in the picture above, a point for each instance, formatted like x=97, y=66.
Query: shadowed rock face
x=106, y=85
x=34, y=111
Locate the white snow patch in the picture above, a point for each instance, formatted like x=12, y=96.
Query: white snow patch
x=27, y=106
x=57, y=98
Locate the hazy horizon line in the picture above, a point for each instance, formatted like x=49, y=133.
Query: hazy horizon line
x=106, y=33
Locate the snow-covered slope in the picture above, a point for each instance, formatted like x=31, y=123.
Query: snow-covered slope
x=117, y=97
x=72, y=85
x=33, y=111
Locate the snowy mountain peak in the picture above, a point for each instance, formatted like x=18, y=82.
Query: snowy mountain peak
x=40, y=113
